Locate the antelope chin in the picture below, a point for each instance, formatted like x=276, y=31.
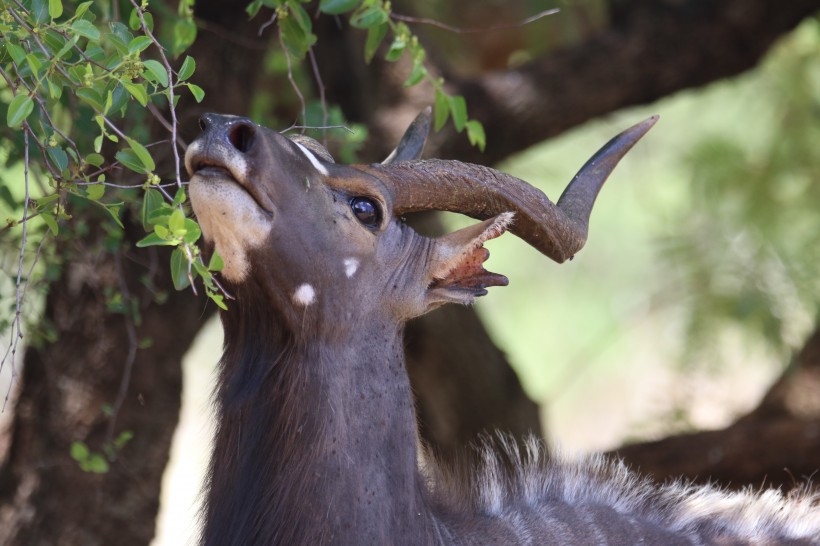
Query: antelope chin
x=230, y=218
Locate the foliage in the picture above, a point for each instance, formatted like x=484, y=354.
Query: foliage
x=746, y=255
x=373, y=16
x=80, y=83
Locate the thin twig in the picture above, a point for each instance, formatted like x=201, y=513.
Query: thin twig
x=266, y=24
x=320, y=84
x=459, y=30
x=16, y=328
x=174, y=123
x=294, y=126
x=131, y=332
x=290, y=76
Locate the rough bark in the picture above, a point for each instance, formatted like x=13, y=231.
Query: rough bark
x=45, y=498
x=648, y=50
x=777, y=444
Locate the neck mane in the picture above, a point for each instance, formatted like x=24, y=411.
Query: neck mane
x=311, y=447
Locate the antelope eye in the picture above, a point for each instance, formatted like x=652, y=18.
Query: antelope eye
x=366, y=210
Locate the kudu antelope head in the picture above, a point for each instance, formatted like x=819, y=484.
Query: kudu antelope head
x=280, y=210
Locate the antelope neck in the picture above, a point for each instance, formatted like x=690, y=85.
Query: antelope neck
x=314, y=444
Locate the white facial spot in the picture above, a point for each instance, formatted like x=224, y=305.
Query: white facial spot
x=351, y=266
x=312, y=158
x=304, y=295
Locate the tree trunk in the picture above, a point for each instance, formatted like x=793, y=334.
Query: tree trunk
x=45, y=497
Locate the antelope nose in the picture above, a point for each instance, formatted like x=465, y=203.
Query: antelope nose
x=238, y=131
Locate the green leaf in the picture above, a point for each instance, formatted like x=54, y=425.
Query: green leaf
x=176, y=223
x=134, y=19
x=396, y=50
x=17, y=53
x=124, y=437
x=39, y=9
x=113, y=209
x=67, y=47
x=95, y=191
x=151, y=201
x=475, y=133
x=143, y=154
x=157, y=70
x=130, y=160
x=253, y=8
x=192, y=232
x=154, y=240
x=368, y=16
x=375, y=35
x=94, y=159
x=184, y=35
x=179, y=269
x=86, y=30
x=179, y=197
x=96, y=464
x=137, y=91
x=458, y=109
x=34, y=63
x=51, y=222
x=296, y=39
x=54, y=91
x=337, y=7
x=55, y=8
x=139, y=44
x=58, y=157
x=441, y=109
x=196, y=91
x=219, y=300
x=91, y=97
x=20, y=109
x=79, y=451
x=164, y=233
x=416, y=75
x=82, y=8
x=187, y=69
x=300, y=16
x=216, y=263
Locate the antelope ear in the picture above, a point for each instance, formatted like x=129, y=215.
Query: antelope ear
x=456, y=271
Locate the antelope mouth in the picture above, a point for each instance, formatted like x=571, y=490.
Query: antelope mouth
x=211, y=169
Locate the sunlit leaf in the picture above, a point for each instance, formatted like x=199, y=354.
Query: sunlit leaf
x=86, y=30
x=441, y=109
x=375, y=36
x=20, y=109
x=157, y=70
x=187, y=69
x=196, y=91
x=337, y=7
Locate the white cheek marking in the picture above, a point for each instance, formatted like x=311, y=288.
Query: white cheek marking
x=351, y=266
x=304, y=295
x=312, y=158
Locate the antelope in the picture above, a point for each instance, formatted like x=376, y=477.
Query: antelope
x=316, y=439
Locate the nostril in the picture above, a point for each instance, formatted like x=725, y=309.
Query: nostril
x=204, y=121
x=241, y=136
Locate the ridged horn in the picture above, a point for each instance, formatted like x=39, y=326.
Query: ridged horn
x=556, y=230
x=412, y=143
